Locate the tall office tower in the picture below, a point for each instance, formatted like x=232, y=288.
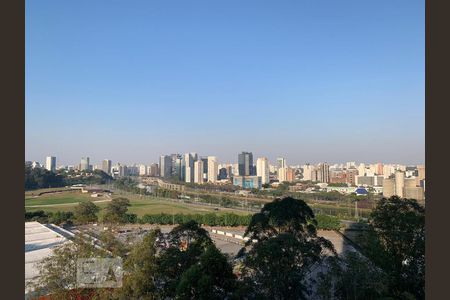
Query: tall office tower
x=245, y=161
x=188, y=167
x=307, y=170
x=165, y=166
x=399, y=183
x=262, y=169
x=84, y=164
x=198, y=171
x=50, y=163
x=143, y=170
x=176, y=166
x=153, y=170
x=106, y=166
x=323, y=172
x=212, y=169
x=205, y=168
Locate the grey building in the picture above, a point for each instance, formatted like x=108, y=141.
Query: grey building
x=245, y=164
x=165, y=166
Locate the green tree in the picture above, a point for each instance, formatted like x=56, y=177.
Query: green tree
x=185, y=244
x=284, y=246
x=116, y=211
x=140, y=279
x=86, y=212
x=397, y=244
x=211, y=278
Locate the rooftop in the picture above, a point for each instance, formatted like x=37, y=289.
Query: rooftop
x=39, y=243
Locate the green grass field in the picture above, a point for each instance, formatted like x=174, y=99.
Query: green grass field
x=57, y=198
x=67, y=201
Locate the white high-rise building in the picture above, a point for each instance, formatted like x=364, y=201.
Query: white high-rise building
x=262, y=169
x=212, y=169
x=188, y=166
x=50, y=163
x=198, y=171
x=106, y=166
x=143, y=170
x=307, y=172
x=282, y=174
x=84, y=164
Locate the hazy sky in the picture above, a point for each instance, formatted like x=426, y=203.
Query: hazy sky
x=307, y=80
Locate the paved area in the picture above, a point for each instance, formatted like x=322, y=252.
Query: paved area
x=39, y=244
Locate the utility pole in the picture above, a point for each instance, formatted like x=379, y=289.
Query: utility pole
x=356, y=209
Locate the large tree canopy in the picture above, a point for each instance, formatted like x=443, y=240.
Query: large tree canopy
x=116, y=211
x=398, y=244
x=283, y=247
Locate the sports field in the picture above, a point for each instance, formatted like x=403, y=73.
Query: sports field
x=66, y=201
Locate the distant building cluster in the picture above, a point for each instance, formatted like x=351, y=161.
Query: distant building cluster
x=349, y=177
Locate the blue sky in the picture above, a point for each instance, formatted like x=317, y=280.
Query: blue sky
x=307, y=80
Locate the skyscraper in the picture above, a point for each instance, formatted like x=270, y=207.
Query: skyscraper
x=176, y=166
x=245, y=161
x=198, y=171
x=84, y=164
x=165, y=163
x=262, y=169
x=282, y=169
x=205, y=168
x=106, y=166
x=188, y=166
x=50, y=163
x=153, y=170
x=212, y=169
x=143, y=170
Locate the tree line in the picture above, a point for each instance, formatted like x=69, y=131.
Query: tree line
x=279, y=261
x=38, y=178
x=116, y=213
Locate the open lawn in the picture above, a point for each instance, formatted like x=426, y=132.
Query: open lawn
x=140, y=206
x=58, y=198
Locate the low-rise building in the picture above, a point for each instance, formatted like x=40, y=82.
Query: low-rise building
x=247, y=182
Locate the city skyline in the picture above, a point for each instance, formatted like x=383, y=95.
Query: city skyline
x=271, y=161
x=311, y=83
